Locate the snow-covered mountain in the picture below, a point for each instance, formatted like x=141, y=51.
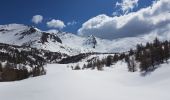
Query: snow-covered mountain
x=72, y=44
x=95, y=44
x=91, y=41
x=22, y=35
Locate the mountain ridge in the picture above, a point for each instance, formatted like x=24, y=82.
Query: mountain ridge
x=69, y=43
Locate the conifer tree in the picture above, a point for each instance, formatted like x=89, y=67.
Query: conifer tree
x=108, y=61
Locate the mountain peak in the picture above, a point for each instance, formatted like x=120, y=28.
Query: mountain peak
x=91, y=41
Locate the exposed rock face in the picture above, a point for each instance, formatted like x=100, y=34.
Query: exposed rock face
x=91, y=41
x=47, y=36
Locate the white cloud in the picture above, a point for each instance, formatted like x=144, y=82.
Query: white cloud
x=72, y=23
x=53, y=31
x=127, y=5
x=153, y=19
x=56, y=24
x=37, y=19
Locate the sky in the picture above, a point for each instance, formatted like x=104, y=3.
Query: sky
x=83, y=17
x=79, y=11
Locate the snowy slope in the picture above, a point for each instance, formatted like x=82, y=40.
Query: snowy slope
x=115, y=83
x=14, y=34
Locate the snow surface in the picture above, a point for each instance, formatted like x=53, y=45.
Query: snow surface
x=116, y=83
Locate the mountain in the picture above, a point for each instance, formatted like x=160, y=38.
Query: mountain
x=91, y=41
x=22, y=35
x=95, y=44
x=68, y=43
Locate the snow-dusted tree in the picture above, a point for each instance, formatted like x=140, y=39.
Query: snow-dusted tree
x=108, y=61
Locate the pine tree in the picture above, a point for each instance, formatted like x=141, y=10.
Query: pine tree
x=139, y=49
x=145, y=61
x=166, y=51
x=148, y=45
x=84, y=66
x=156, y=42
x=77, y=67
x=0, y=67
x=122, y=56
x=115, y=58
x=131, y=52
x=108, y=61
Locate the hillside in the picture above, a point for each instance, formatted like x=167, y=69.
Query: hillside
x=20, y=62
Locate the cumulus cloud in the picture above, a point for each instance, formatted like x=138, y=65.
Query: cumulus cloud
x=53, y=31
x=127, y=5
x=37, y=19
x=56, y=24
x=155, y=18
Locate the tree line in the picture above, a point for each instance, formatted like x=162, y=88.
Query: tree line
x=15, y=60
x=145, y=57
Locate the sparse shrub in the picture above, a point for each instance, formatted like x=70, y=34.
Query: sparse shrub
x=37, y=71
x=77, y=67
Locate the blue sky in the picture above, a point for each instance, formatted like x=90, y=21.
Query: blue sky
x=22, y=11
